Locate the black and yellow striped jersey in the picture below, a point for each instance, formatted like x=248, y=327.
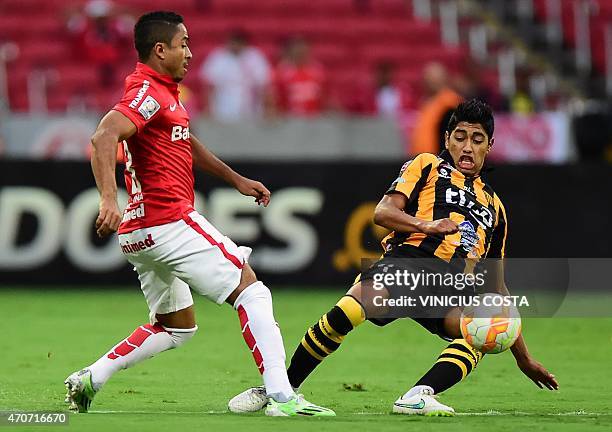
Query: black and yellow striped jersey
x=435, y=190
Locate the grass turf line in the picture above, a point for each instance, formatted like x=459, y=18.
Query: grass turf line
x=53, y=332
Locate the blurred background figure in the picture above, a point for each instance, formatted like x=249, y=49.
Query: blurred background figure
x=521, y=102
x=388, y=97
x=100, y=36
x=470, y=83
x=356, y=58
x=439, y=101
x=299, y=81
x=236, y=80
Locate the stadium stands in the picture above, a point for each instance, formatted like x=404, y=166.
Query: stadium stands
x=346, y=39
x=601, y=15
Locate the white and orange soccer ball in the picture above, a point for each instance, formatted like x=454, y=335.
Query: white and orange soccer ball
x=491, y=324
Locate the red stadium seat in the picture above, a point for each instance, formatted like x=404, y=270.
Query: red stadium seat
x=346, y=39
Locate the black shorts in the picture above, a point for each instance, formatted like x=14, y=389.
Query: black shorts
x=410, y=259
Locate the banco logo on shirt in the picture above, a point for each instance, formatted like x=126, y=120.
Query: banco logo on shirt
x=179, y=132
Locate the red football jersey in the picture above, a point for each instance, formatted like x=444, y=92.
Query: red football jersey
x=300, y=88
x=159, y=166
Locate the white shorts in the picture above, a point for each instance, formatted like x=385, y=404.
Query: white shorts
x=189, y=253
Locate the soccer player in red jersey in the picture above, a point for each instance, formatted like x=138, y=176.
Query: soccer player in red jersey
x=300, y=81
x=173, y=248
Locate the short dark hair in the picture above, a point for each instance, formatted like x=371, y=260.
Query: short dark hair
x=154, y=27
x=239, y=35
x=473, y=111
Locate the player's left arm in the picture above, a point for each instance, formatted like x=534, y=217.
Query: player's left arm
x=526, y=363
x=205, y=160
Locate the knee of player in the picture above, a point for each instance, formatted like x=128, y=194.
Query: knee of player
x=181, y=336
x=247, y=276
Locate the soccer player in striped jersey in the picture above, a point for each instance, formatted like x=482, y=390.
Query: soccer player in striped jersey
x=440, y=209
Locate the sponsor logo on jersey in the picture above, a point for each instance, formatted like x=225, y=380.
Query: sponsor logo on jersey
x=179, y=132
x=172, y=107
x=469, y=237
x=140, y=94
x=132, y=214
x=148, y=107
x=460, y=198
x=138, y=246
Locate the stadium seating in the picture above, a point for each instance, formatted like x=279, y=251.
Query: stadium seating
x=601, y=16
x=347, y=40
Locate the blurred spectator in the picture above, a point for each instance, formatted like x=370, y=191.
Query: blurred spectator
x=100, y=37
x=236, y=80
x=522, y=102
x=435, y=111
x=300, y=81
x=388, y=95
x=470, y=84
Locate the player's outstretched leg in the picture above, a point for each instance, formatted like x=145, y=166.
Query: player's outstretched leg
x=454, y=363
x=146, y=341
x=323, y=338
x=263, y=337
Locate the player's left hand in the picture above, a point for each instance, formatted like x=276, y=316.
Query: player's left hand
x=538, y=374
x=255, y=189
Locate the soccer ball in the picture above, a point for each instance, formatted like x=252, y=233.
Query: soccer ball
x=491, y=323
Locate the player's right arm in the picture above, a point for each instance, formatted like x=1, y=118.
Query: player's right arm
x=113, y=128
x=390, y=212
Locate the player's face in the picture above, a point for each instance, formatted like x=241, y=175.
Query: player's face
x=178, y=54
x=468, y=145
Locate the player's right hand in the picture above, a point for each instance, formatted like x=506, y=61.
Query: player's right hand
x=440, y=227
x=109, y=218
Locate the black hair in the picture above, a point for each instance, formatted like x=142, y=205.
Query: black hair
x=473, y=111
x=239, y=35
x=154, y=27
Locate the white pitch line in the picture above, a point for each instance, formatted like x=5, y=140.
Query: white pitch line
x=522, y=413
x=156, y=412
x=491, y=413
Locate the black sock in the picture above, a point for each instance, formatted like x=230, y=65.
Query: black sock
x=323, y=338
x=454, y=364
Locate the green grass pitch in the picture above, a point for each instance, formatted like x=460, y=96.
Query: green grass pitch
x=49, y=333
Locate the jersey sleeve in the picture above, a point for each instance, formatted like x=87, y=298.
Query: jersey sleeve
x=140, y=103
x=497, y=248
x=413, y=175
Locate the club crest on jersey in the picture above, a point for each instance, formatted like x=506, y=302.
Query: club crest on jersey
x=148, y=107
x=444, y=171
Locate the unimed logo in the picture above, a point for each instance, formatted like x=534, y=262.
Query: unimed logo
x=138, y=246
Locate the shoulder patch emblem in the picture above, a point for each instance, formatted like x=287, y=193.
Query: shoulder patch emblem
x=444, y=171
x=405, y=167
x=148, y=107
